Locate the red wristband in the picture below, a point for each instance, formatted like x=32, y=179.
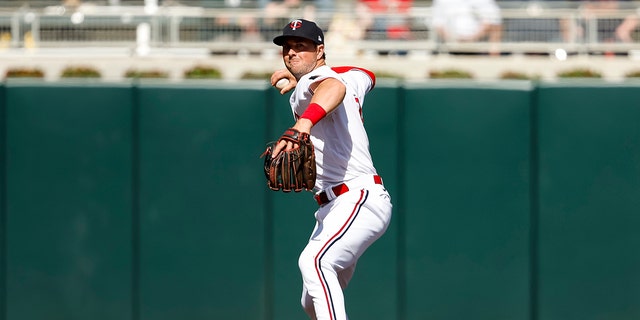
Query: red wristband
x=314, y=113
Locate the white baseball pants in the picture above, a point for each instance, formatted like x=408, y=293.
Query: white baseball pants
x=345, y=228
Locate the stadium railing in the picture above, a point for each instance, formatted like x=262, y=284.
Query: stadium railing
x=526, y=28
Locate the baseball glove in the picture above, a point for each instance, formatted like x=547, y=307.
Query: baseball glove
x=294, y=169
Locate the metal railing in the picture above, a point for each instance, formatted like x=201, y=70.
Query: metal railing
x=525, y=29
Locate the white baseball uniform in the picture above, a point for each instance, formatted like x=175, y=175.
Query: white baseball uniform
x=355, y=208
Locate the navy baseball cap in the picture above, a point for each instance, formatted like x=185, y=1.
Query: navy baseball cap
x=303, y=29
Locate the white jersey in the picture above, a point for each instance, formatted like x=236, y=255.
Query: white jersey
x=340, y=140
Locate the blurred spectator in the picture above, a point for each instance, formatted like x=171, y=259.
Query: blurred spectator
x=287, y=9
x=243, y=27
x=625, y=30
x=278, y=13
x=235, y=27
x=597, y=24
x=71, y=4
x=468, y=21
x=536, y=27
x=307, y=8
x=343, y=33
x=385, y=19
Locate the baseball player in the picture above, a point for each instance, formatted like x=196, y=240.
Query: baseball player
x=354, y=207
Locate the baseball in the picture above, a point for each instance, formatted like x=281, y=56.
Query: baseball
x=282, y=83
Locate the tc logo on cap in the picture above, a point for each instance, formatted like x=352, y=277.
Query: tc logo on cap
x=300, y=28
x=295, y=24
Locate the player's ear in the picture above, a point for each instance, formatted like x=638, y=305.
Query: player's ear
x=320, y=51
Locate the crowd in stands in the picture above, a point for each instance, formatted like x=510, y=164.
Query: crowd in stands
x=452, y=20
x=449, y=21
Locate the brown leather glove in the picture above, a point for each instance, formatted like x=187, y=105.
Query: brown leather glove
x=294, y=169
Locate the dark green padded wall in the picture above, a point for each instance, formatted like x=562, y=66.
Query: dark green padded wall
x=68, y=191
x=511, y=201
x=589, y=244
x=466, y=162
x=202, y=248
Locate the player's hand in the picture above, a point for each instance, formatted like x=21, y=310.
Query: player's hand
x=283, y=146
x=284, y=73
x=303, y=126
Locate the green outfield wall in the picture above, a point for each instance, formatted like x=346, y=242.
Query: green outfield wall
x=147, y=201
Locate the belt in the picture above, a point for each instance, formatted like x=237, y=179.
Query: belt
x=324, y=197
